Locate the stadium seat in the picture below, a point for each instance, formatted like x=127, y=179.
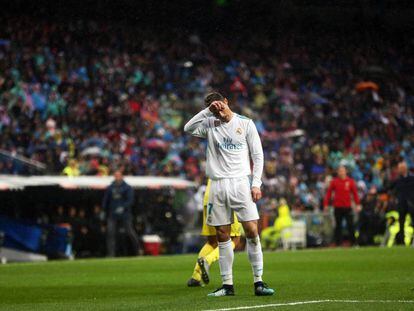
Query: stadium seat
x=294, y=236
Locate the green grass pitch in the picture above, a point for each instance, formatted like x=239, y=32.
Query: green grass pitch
x=159, y=283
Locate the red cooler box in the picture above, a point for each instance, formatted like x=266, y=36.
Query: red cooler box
x=152, y=244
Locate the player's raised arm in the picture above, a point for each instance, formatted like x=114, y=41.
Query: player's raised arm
x=197, y=126
x=256, y=153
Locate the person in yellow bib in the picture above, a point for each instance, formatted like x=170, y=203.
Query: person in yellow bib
x=209, y=253
x=72, y=169
x=393, y=227
x=271, y=235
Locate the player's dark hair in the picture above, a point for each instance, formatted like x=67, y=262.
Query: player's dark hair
x=211, y=97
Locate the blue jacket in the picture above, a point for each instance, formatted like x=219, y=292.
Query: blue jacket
x=118, y=200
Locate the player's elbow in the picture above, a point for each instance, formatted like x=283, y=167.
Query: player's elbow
x=187, y=128
x=258, y=159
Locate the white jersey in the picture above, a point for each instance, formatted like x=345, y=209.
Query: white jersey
x=230, y=146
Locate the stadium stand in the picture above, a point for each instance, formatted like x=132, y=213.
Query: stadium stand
x=119, y=99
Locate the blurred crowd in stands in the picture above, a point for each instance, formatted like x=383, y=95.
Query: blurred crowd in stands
x=86, y=98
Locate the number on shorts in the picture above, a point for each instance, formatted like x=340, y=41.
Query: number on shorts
x=209, y=206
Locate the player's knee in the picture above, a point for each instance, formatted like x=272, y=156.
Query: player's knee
x=236, y=240
x=212, y=240
x=250, y=229
x=252, y=234
x=222, y=234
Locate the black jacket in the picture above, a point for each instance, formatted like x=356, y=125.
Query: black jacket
x=403, y=187
x=118, y=200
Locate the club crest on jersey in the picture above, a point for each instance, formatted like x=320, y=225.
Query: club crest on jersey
x=239, y=131
x=217, y=123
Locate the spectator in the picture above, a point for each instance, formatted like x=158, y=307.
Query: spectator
x=82, y=242
x=97, y=230
x=59, y=215
x=71, y=170
x=66, y=88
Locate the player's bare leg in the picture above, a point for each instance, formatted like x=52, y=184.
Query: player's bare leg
x=255, y=253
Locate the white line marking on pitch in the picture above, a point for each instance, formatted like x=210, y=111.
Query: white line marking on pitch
x=295, y=303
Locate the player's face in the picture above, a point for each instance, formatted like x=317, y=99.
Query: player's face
x=342, y=172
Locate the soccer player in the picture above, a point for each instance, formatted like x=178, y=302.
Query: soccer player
x=232, y=141
x=209, y=253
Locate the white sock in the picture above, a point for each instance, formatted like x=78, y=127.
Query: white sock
x=226, y=262
x=254, y=250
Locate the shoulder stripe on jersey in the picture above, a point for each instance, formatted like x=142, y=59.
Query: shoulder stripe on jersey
x=242, y=117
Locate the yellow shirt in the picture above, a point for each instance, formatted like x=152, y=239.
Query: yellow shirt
x=71, y=172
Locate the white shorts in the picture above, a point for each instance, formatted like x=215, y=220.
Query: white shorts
x=228, y=195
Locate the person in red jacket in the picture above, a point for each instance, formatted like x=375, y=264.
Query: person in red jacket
x=342, y=188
